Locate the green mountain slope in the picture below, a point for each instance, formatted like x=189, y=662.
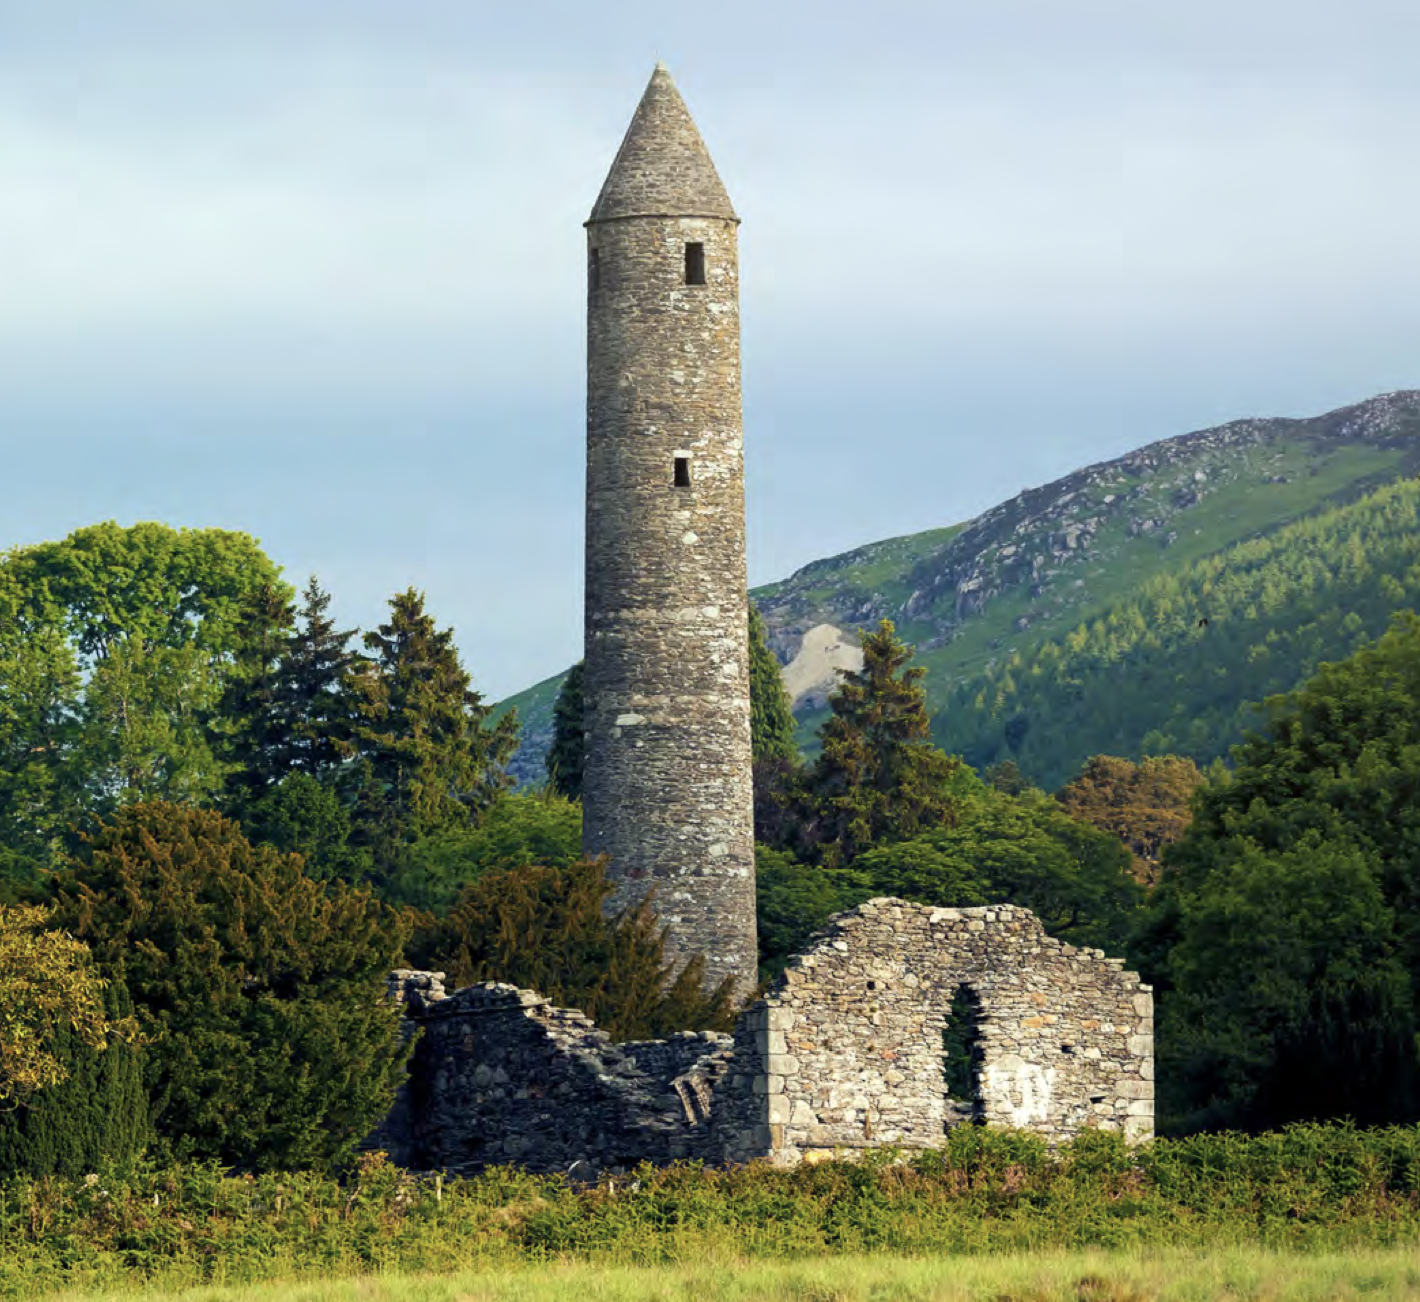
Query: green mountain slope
x=1064, y=622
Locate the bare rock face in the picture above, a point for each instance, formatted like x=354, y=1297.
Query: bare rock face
x=814, y=671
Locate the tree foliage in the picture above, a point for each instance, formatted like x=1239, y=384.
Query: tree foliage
x=95, y=1115
x=1011, y=850
x=771, y=715
x=233, y=955
x=1288, y=920
x=114, y=647
x=878, y=777
x=544, y=928
x=49, y=988
x=1146, y=677
x=1146, y=805
x=429, y=761
x=566, y=756
x=518, y=829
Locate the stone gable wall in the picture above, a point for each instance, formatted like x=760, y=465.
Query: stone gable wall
x=844, y=1052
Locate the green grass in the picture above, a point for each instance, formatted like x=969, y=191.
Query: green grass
x=1229, y=1276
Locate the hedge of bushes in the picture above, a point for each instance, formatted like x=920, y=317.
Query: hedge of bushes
x=1310, y=1187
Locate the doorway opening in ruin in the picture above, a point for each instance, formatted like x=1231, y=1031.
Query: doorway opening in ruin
x=962, y=1056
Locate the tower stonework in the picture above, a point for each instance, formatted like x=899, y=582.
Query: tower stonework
x=667, y=788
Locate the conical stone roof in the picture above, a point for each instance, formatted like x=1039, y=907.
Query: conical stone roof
x=662, y=168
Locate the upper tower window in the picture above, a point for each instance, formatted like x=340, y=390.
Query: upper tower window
x=594, y=269
x=682, y=472
x=695, y=264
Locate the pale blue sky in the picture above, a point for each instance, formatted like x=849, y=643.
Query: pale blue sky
x=314, y=270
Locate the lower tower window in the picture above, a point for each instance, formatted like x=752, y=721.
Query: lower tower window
x=682, y=472
x=694, y=264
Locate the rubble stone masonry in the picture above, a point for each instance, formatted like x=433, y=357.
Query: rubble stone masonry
x=667, y=784
x=845, y=1052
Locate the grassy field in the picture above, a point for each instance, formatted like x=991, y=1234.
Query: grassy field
x=1045, y=1277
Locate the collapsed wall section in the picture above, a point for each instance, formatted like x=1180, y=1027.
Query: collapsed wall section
x=499, y=1076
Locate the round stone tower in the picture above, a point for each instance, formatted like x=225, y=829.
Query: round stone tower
x=666, y=789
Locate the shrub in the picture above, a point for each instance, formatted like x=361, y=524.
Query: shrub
x=98, y=1114
x=259, y=989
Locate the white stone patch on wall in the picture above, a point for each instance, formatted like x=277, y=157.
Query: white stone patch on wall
x=1021, y=1090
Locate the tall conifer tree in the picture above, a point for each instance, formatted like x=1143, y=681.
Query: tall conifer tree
x=771, y=715
x=878, y=776
x=249, y=710
x=314, y=698
x=429, y=759
x=564, y=756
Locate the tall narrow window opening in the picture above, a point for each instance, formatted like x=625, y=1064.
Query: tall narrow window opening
x=961, y=1059
x=594, y=269
x=694, y=264
x=682, y=472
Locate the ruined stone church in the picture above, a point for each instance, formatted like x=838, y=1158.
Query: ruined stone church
x=846, y=1050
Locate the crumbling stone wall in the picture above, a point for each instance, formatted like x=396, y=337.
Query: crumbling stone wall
x=500, y=1075
x=844, y=1052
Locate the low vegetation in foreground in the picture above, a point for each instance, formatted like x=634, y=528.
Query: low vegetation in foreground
x=1313, y=1190
x=1168, y=1276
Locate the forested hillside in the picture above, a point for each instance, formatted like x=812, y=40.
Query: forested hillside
x=1066, y=622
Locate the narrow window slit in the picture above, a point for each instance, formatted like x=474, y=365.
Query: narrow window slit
x=682, y=472
x=962, y=1054
x=695, y=264
x=594, y=269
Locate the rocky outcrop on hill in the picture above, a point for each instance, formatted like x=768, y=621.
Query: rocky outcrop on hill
x=1040, y=543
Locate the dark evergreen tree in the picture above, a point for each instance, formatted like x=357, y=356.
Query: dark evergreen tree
x=248, y=712
x=878, y=776
x=260, y=991
x=771, y=716
x=314, y=697
x=429, y=759
x=775, y=751
x=302, y=815
x=545, y=928
x=1006, y=778
x=96, y=1115
x=565, y=755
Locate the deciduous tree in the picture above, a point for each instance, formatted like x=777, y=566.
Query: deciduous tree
x=48, y=988
x=1146, y=805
